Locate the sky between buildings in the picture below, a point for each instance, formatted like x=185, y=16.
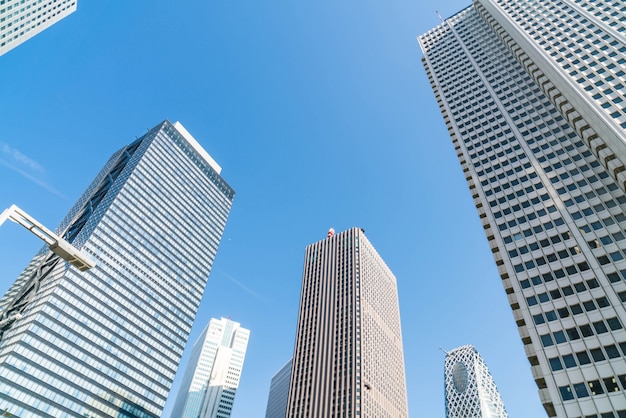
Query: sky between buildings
x=321, y=116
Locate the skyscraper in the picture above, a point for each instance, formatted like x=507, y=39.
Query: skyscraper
x=279, y=393
x=348, y=359
x=107, y=342
x=470, y=389
x=213, y=372
x=23, y=19
x=532, y=94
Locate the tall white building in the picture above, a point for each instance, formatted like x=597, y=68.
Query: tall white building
x=213, y=372
x=470, y=389
x=348, y=359
x=533, y=94
x=279, y=393
x=20, y=20
x=107, y=342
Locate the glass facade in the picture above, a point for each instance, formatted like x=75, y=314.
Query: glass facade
x=532, y=96
x=279, y=393
x=213, y=372
x=107, y=342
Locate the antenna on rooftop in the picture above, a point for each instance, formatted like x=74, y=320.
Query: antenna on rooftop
x=440, y=18
x=444, y=351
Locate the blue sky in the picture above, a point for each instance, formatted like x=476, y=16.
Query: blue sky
x=321, y=116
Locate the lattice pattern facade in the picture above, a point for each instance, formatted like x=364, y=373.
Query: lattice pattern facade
x=470, y=389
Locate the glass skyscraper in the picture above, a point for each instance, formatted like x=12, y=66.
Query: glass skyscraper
x=213, y=372
x=470, y=389
x=20, y=20
x=107, y=342
x=348, y=359
x=533, y=95
x=279, y=393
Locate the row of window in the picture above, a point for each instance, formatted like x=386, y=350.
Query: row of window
x=584, y=357
x=593, y=387
x=575, y=333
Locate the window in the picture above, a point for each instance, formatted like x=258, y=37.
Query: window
x=546, y=340
x=555, y=364
x=586, y=330
x=572, y=333
x=610, y=384
x=583, y=358
x=581, y=390
x=595, y=388
x=612, y=351
x=569, y=361
x=614, y=323
x=566, y=393
x=597, y=354
x=600, y=327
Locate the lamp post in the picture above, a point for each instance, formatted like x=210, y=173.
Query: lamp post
x=57, y=245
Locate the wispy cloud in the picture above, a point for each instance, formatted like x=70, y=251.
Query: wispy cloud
x=242, y=286
x=28, y=168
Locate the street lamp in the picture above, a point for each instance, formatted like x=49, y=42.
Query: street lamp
x=57, y=245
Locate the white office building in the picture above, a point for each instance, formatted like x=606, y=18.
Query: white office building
x=20, y=20
x=533, y=96
x=213, y=372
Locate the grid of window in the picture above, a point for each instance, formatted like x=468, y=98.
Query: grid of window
x=552, y=212
x=23, y=19
x=110, y=339
x=348, y=341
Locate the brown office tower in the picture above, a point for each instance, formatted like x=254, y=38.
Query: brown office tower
x=348, y=359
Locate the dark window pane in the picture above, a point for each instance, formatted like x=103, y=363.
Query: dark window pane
x=572, y=333
x=581, y=390
x=597, y=354
x=569, y=361
x=555, y=364
x=546, y=340
x=583, y=358
x=586, y=330
x=600, y=327
x=551, y=316
x=614, y=323
x=602, y=302
x=595, y=388
x=589, y=305
x=612, y=351
x=576, y=309
x=580, y=287
x=563, y=312
x=610, y=384
x=566, y=393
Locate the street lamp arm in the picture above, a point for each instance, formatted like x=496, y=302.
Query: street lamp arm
x=57, y=245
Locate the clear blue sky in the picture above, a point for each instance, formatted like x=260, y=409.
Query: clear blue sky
x=321, y=116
